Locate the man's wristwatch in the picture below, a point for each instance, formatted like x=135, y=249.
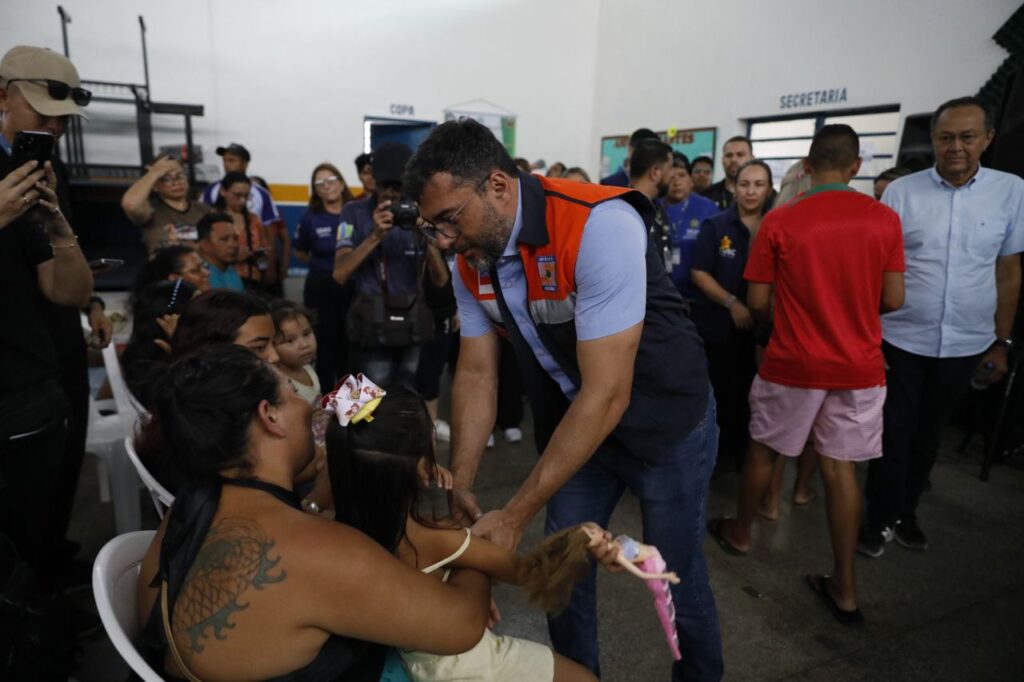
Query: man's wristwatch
x=1005, y=343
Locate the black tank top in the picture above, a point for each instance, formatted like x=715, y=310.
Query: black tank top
x=340, y=658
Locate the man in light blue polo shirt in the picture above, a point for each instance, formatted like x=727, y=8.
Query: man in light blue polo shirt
x=963, y=231
x=566, y=272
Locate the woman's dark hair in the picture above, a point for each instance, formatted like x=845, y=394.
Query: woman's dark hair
x=770, y=199
x=230, y=179
x=143, y=361
x=203, y=406
x=316, y=204
x=165, y=262
x=281, y=311
x=373, y=466
x=214, y=317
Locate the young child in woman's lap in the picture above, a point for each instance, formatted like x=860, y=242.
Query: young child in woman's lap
x=377, y=465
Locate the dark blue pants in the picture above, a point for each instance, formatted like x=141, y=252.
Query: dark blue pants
x=673, y=495
x=921, y=393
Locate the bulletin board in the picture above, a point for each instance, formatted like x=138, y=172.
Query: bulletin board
x=693, y=142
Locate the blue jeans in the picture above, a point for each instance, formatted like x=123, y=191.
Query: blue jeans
x=387, y=366
x=673, y=494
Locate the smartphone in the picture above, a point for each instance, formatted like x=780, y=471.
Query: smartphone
x=31, y=145
x=105, y=264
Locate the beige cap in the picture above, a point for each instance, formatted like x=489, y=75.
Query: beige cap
x=39, y=63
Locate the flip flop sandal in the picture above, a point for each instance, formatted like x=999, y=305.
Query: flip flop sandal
x=819, y=584
x=715, y=531
x=812, y=498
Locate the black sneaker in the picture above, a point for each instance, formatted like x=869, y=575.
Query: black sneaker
x=871, y=541
x=910, y=535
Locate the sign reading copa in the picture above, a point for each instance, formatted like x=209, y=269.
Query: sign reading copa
x=812, y=98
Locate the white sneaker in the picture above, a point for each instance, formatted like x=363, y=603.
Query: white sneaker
x=514, y=435
x=490, y=441
x=443, y=431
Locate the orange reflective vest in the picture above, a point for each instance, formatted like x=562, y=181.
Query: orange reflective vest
x=670, y=385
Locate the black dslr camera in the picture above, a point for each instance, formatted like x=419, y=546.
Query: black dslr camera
x=405, y=213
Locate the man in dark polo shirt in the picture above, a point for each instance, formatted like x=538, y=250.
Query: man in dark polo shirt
x=620, y=178
x=40, y=265
x=650, y=168
x=735, y=152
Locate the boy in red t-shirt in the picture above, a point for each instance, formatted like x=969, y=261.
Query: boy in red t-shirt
x=833, y=258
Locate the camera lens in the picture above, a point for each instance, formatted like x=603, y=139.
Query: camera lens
x=405, y=213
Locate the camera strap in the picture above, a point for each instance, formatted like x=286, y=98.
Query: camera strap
x=382, y=275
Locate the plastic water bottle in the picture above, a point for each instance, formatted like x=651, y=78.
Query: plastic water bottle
x=979, y=381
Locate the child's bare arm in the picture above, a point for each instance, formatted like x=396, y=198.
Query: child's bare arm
x=481, y=555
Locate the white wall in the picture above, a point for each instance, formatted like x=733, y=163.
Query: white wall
x=293, y=81
x=716, y=63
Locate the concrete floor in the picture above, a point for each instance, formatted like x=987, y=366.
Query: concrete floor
x=951, y=613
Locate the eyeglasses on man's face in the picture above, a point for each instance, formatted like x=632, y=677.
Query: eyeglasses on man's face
x=449, y=227
x=172, y=178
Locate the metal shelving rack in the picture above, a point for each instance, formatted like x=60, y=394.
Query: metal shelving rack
x=137, y=95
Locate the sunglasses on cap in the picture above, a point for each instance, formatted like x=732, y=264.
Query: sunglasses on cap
x=59, y=90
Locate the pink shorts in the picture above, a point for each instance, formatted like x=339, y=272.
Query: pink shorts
x=847, y=425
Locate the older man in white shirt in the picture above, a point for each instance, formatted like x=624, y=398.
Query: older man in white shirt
x=963, y=231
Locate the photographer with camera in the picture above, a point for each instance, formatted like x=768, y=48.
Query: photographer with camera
x=389, y=318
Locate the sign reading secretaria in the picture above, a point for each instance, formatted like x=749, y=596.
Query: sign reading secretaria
x=812, y=98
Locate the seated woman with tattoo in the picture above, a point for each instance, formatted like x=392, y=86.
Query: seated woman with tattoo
x=239, y=583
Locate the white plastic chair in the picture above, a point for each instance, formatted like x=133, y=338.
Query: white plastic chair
x=114, y=577
x=162, y=499
x=105, y=439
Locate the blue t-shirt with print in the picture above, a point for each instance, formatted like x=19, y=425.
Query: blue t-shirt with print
x=684, y=221
x=318, y=235
x=225, y=279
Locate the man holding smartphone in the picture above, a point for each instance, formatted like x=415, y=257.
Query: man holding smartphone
x=45, y=280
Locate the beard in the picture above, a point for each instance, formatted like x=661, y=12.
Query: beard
x=491, y=243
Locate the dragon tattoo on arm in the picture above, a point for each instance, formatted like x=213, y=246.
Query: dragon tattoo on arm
x=234, y=558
